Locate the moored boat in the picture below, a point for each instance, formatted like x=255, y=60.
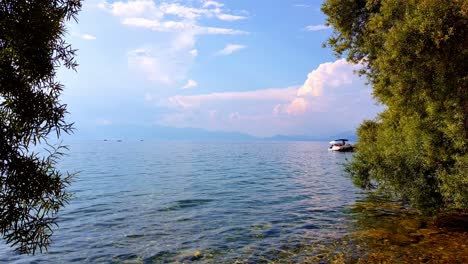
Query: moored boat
x=340, y=145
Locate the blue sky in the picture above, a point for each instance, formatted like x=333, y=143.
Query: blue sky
x=255, y=67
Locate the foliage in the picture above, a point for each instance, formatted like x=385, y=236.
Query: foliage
x=415, y=57
x=32, y=47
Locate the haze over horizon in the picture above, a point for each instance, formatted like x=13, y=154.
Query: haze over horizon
x=252, y=67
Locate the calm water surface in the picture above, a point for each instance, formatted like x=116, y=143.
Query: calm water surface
x=156, y=202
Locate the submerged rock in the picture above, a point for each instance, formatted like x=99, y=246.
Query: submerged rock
x=389, y=233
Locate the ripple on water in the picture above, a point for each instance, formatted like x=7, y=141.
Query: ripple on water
x=217, y=202
x=185, y=204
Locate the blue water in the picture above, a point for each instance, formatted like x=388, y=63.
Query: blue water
x=157, y=202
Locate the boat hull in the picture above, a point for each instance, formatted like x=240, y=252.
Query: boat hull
x=346, y=148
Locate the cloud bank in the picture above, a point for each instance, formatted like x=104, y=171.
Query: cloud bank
x=332, y=98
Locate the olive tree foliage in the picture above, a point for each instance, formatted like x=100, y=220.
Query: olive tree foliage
x=414, y=54
x=32, y=47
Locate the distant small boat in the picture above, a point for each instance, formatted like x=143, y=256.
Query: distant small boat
x=340, y=145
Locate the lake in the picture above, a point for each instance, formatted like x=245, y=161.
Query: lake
x=157, y=202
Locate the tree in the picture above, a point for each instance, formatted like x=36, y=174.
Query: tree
x=414, y=54
x=32, y=47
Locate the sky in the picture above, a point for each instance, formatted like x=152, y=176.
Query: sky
x=255, y=67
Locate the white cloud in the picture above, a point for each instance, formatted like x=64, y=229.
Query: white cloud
x=219, y=31
x=231, y=48
x=155, y=14
x=328, y=75
x=88, y=37
x=302, y=5
x=132, y=8
x=297, y=106
x=227, y=17
x=267, y=95
x=194, y=52
x=165, y=65
x=316, y=27
x=180, y=27
x=190, y=84
x=145, y=13
x=170, y=63
x=329, y=88
x=181, y=24
x=332, y=99
x=212, y=4
x=151, y=66
x=184, y=41
x=142, y=22
x=277, y=109
x=181, y=11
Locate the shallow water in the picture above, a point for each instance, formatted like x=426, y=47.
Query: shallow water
x=388, y=231
x=215, y=202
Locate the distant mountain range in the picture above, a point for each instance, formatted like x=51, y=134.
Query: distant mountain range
x=114, y=132
x=350, y=135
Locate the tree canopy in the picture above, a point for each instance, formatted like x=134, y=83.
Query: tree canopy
x=32, y=47
x=414, y=54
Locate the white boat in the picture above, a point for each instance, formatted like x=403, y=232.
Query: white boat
x=340, y=145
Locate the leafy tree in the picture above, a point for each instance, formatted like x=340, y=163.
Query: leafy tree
x=414, y=54
x=32, y=47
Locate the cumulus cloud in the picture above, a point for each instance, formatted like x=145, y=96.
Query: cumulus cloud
x=231, y=48
x=330, y=75
x=332, y=99
x=190, y=84
x=316, y=27
x=297, y=106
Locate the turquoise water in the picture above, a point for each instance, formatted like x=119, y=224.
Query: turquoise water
x=157, y=202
